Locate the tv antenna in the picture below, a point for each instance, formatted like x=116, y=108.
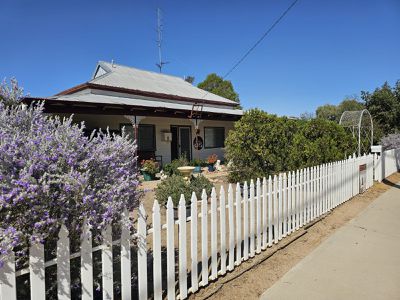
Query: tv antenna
x=160, y=63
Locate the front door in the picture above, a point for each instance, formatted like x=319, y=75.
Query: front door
x=181, y=142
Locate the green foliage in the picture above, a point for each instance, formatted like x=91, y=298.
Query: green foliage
x=384, y=106
x=172, y=168
x=328, y=112
x=174, y=186
x=334, y=112
x=198, y=162
x=150, y=166
x=197, y=184
x=320, y=141
x=262, y=144
x=217, y=85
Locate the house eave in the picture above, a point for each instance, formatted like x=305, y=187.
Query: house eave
x=89, y=85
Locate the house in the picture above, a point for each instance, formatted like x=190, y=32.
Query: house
x=170, y=116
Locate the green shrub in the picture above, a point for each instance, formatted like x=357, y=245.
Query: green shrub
x=197, y=184
x=262, y=144
x=172, y=168
x=175, y=185
x=197, y=162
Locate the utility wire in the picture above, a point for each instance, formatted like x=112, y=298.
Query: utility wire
x=260, y=39
x=257, y=43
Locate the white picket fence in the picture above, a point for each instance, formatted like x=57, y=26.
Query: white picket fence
x=221, y=232
x=386, y=164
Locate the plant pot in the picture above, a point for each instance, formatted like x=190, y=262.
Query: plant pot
x=148, y=176
x=197, y=169
x=186, y=171
x=188, y=212
x=211, y=167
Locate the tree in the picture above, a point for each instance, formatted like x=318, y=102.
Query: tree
x=262, y=144
x=350, y=104
x=217, y=85
x=333, y=112
x=327, y=112
x=307, y=116
x=384, y=106
x=51, y=174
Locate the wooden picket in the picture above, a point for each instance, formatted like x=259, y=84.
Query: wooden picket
x=64, y=269
x=258, y=215
x=238, y=226
x=255, y=217
x=245, y=222
x=193, y=242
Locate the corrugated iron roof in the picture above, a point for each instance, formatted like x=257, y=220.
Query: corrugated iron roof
x=134, y=79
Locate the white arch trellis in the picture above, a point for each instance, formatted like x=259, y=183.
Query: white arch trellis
x=359, y=122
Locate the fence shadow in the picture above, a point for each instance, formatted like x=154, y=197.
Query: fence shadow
x=390, y=183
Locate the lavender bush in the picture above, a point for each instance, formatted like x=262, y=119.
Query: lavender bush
x=391, y=141
x=50, y=173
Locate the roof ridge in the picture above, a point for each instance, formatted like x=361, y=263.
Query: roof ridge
x=146, y=71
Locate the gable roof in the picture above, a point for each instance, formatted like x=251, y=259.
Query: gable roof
x=117, y=76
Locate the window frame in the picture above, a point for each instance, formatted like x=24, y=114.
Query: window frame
x=143, y=125
x=204, y=136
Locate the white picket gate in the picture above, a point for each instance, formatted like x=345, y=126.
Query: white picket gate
x=230, y=227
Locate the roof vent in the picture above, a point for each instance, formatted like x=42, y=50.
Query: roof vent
x=112, y=63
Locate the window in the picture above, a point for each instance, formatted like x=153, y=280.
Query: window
x=146, y=136
x=214, y=137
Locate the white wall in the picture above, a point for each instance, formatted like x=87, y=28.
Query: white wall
x=161, y=124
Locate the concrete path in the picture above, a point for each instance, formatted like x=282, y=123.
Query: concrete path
x=359, y=261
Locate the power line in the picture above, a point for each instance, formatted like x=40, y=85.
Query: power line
x=260, y=39
x=257, y=42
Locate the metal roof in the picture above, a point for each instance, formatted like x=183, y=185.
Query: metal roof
x=134, y=79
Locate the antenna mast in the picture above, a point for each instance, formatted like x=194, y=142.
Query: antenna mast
x=160, y=63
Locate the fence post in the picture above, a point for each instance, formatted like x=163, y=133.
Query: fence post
x=8, y=288
x=245, y=222
x=193, y=242
x=182, y=248
x=36, y=271
x=126, y=255
x=63, y=265
x=238, y=226
x=170, y=250
x=157, y=272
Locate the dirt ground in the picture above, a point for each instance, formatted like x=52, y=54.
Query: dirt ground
x=253, y=277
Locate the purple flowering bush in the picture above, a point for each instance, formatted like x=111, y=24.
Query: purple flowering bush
x=391, y=141
x=50, y=174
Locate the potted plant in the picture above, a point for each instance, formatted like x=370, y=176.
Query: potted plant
x=197, y=164
x=149, y=169
x=211, y=160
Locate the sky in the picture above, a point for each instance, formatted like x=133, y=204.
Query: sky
x=321, y=52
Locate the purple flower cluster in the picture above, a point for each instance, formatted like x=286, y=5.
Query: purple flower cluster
x=50, y=173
